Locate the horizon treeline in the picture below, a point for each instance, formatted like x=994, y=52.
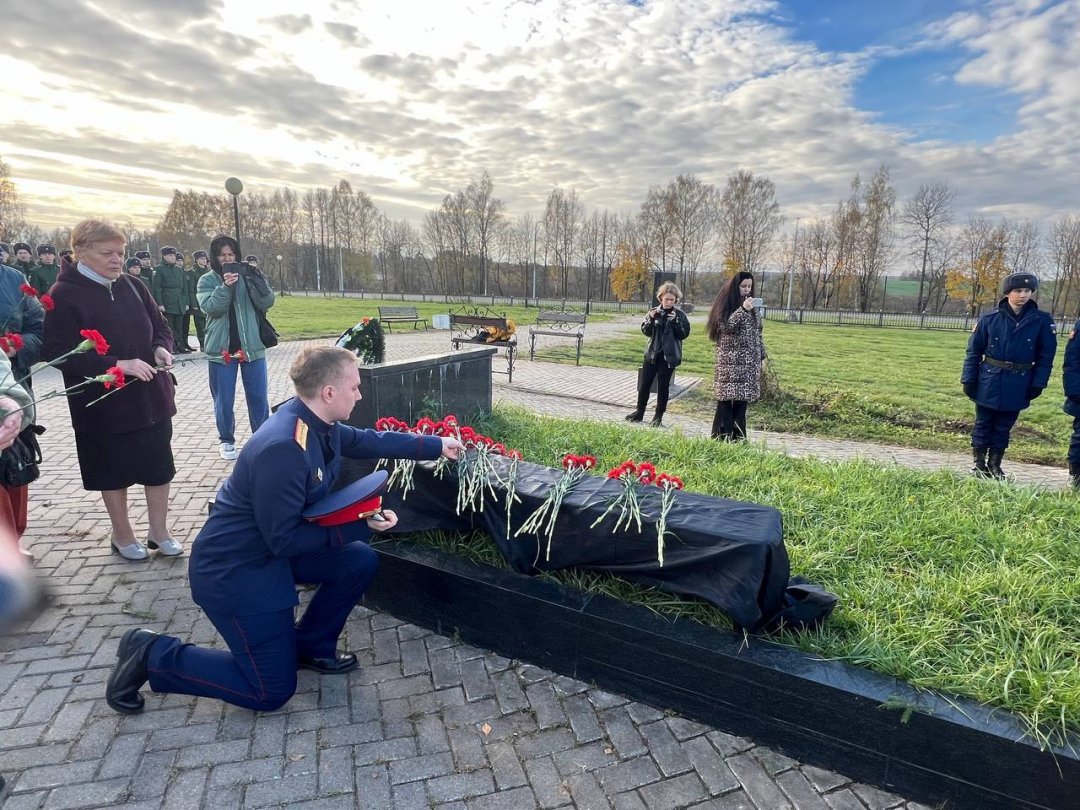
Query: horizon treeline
x=337, y=238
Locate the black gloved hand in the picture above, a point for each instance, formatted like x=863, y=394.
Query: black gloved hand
x=969, y=389
x=1033, y=392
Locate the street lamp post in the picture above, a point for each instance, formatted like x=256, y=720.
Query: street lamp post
x=234, y=186
x=280, y=276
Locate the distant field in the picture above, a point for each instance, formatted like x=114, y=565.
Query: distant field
x=894, y=386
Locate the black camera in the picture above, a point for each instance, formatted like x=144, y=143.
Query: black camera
x=242, y=268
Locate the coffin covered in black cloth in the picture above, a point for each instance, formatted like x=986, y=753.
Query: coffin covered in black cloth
x=729, y=553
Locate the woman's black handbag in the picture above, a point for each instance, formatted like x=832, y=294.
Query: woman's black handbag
x=267, y=333
x=19, y=463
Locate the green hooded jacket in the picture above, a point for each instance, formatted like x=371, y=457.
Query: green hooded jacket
x=215, y=299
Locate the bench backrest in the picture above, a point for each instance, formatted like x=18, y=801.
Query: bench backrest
x=560, y=318
x=398, y=312
x=482, y=321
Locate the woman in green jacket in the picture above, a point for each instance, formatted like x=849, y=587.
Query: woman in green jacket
x=229, y=300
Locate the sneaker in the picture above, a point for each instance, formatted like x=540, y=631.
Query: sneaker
x=228, y=451
x=168, y=547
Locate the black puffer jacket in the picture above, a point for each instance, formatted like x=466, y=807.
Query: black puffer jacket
x=666, y=335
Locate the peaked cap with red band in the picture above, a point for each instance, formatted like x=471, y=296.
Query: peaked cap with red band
x=356, y=501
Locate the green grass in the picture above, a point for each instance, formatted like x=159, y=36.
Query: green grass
x=297, y=316
x=964, y=586
x=892, y=386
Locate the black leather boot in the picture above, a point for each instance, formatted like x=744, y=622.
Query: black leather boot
x=636, y=416
x=1074, y=475
x=658, y=418
x=980, y=470
x=993, y=463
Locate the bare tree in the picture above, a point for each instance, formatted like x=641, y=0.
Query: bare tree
x=876, y=235
x=12, y=221
x=1023, y=245
x=487, y=214
x=656, y=228
x=926, y=219
x=562, y=226
x=692, y=207
x=749, y=217
x=1064, y=255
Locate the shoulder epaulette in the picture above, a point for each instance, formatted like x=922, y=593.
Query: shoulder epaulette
x=300, y=434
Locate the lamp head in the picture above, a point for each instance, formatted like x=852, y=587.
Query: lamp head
x=234, y=186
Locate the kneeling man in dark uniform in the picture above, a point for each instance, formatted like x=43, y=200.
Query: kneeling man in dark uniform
x=256, y=546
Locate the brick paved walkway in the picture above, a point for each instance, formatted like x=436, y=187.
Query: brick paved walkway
x=427, y=722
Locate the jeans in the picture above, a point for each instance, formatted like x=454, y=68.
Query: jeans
x=223, y=390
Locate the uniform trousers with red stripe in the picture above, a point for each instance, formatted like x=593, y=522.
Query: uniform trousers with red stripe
x=258, y=671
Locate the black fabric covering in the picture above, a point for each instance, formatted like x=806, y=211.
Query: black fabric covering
x=729, y=553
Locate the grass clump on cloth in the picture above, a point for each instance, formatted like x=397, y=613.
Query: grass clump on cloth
x=964, y=586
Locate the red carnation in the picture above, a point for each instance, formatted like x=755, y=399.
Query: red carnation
x=114, y=378
x=26, y=289
x=646, y=472
x=47, y=302
x=241, y=356
x=14, y=340
x=93, y=340
x=226, y=357
x=514, y=454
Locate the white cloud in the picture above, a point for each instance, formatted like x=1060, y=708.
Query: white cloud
x=413, y=99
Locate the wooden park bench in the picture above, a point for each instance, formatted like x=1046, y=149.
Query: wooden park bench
x=471, y=325
x=558, y=323
x=389, y=315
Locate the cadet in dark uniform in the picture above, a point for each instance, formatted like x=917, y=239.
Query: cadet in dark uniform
x=191, y=280
x=1009, y=358
x=1071, y=381
x=168, y=289
x=44, y=273
x=133, y=267
x=5, y=253
x=23, y=263
x=146, y=272
x=256, y=546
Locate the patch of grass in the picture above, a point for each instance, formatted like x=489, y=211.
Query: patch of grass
x=892, y=386
x=964, y=586
x=298, y=316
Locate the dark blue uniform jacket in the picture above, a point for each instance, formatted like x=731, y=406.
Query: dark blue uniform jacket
x=1071, y=376
x=1028, y=338
x=240, y=560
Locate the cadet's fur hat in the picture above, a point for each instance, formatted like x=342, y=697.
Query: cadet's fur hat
x=132, y=262
x=20, y=246
x=1017, y=281
x=43, y=249
x=179, y=255
x=251, y=258
x=165, y=251
x=356, y=501
x=143, y=254
x=200, y=254
x=4, y=248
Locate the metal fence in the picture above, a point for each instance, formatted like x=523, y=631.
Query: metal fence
x=629, y=307
x=838, y=317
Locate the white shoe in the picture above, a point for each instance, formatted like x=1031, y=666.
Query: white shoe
x=228, y=451
x=132, y=551
x=168, y=547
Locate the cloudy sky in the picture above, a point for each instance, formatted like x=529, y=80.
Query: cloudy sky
x=111, y=104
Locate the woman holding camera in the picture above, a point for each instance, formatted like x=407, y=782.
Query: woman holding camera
x=735, y=328
x=229, y=297
x=666, y=327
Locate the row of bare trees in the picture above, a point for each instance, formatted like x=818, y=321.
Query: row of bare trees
x=337, y=238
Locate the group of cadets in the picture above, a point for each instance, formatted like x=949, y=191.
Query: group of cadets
x=172, y=284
